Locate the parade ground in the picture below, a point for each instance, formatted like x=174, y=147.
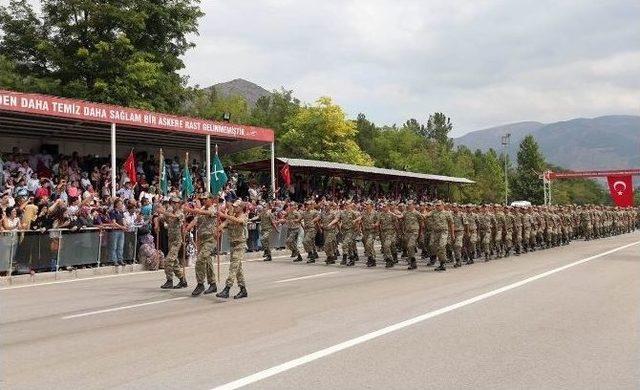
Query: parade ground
x=566, y=317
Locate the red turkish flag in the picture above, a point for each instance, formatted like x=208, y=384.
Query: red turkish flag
x=621, y=188
x=285, y=172
x=130, y=168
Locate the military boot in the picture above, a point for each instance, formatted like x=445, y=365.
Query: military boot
x=198, y=290
x=389, y=263
x=441, y=267
x=298, y=258
x=312, y=259
x=395, y=257
x=371, y=262
x=268, y=257
x=241, y=294
x=315, y=254
x=167, y=284
x=457, y=264
x=344, y=259
x=212, y=288
x=413, y=264
x=181, y=284
x=224, y=293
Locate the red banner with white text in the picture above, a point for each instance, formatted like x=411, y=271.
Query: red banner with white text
x=621, y=188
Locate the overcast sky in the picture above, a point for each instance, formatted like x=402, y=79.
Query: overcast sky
x=483, y=63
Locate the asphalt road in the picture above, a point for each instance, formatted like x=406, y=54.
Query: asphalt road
x=565, y=318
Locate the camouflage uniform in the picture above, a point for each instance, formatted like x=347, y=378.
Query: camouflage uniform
x=293, y=226
x=459, y=223
x=330, y=234
x=387, y=234
x=309, y=240
x=174, y=230
x=440, y=221
x=348, y=228
x=412, y=221
x=266, y=228
x=238, y=242
x=207, y=246
x=369, y=222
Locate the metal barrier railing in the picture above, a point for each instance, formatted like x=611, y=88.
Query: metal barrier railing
x=23, y=251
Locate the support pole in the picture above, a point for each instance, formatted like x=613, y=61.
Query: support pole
x=113, y=160
x=273, y=170
x=207, y=181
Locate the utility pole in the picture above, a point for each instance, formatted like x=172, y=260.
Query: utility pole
x=505, y=146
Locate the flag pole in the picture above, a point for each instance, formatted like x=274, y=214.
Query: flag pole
x=184, y=237
x=160, y=169
x=219, y=238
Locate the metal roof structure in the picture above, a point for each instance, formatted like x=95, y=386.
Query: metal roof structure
x=349, y=170
x=43, y=116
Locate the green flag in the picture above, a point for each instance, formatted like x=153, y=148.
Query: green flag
x=187, y=184
x=218, y=176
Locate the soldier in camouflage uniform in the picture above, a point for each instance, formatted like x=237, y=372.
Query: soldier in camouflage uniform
x=267, y=226
x=508, y=231
x=206, y=222
x=310, y=217
x=412, y=222
x=329, y=220
x=348, y=227
x=457, y=241
x=388, y=228
x=370, y=225
x=442, y=223
x=174, y=219
x=471, y=234
x=484, y=230
x=235, y=220
x=294, y=219
x=499, y=230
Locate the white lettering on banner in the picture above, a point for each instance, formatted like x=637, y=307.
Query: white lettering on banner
x=95, y=112
x=6, y=100
x=150, y=119
x=192, y=125
x=66, y=108
x=34, y=104
x=125, y=116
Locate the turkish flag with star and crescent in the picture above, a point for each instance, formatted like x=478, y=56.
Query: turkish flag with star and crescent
x=621, y=188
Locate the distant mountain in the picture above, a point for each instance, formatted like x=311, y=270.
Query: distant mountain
x=249, y=91
x=606, y=142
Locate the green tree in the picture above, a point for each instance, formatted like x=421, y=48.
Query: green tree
x=438, y=128
x=367, y=132
x=124, y=52
x=322, y=132
x=527, y=184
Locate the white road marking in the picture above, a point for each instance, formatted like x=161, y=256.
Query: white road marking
x=111, y=276
x=306, y=277
x=275, y=370
x=91, y=313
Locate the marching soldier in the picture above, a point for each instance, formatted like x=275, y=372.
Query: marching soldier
x=235, y=220
x=370, y=223
x=442, y=223
x=205, y=221
x=329, y=220
x=412, y=222
x=310, y=218
x=294, y=218
x=174, y=218
x=267, y=226
x=460, y=225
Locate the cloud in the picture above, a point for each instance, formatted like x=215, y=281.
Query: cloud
x=483, y=63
